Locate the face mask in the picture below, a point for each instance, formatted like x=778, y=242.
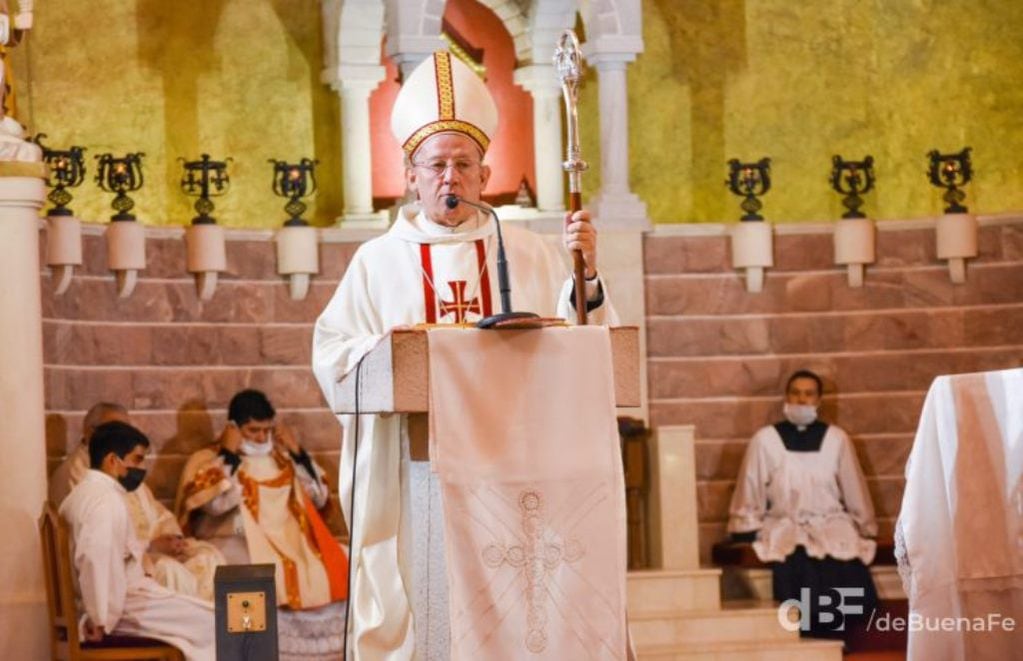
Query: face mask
x=801, y=415
x=133, y=479
x=251, y=449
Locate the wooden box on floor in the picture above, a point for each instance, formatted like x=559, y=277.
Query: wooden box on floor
x=245, y=598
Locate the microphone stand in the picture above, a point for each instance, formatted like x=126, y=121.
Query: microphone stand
x=506, y=315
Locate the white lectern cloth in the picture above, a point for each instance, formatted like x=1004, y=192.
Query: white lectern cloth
x=524, y=441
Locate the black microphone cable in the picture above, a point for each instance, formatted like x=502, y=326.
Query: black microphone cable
x=351, y=501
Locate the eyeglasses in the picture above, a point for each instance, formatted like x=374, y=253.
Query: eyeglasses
x=439, y=166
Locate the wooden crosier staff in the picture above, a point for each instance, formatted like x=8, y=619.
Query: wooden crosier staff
x=569, y=64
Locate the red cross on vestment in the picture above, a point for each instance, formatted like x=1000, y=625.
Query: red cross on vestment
x=459, y=306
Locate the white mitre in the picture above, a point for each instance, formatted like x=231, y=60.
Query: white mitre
x=443, y=95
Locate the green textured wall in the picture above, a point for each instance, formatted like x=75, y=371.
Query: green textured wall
x=802, y=81
x=718, y=79
x=235, y=78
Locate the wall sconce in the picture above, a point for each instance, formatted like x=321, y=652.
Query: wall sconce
x=126, y=239
x=204, y=239
x=297, y=251
x=957, y=228
x=752, y=240
x=854, y=234
x=66, y=169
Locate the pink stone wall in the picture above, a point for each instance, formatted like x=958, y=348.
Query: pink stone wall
x=175, y=361
x=719, y=357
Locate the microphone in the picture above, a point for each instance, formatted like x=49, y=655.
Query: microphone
x=452, y=202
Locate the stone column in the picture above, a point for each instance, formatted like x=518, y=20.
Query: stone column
x=407, y=62
x=541, y=82
x=675, y=581
x=408, y=50
x=675, y=526
x=354, y=84
x=615, y=204
x=23, y=617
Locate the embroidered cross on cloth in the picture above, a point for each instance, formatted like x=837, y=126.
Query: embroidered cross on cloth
x=533, y=495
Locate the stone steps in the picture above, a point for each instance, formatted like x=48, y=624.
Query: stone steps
x=678, y=614
x=658, y=591
x=755, y=583
x=789, y=650
x=731, y=625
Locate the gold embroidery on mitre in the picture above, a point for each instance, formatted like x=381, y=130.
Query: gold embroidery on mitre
x=445, y=85
x=456, y=125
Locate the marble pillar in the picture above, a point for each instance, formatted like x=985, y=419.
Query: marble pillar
x=616, y=204
x=407, y=50
x=407, y=62
x=675, y=526
x=23, y=614
x=354, y=84
x=541, y=81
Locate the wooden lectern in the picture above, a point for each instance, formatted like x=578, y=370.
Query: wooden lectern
x=395, y=379
x=245, y=605
x=395, y=374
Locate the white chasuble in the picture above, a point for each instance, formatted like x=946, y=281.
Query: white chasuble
x=534, y=500
x=282, y=527
x=385, y=286
x=959, y=535
x=268, y=507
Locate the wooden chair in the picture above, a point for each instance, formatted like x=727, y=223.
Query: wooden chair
x=63, y=610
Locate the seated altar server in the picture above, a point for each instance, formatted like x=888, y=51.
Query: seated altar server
x=255, y=495
x=437, y=264
x=801, y=498
x=116, y=595
x=183, y=564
